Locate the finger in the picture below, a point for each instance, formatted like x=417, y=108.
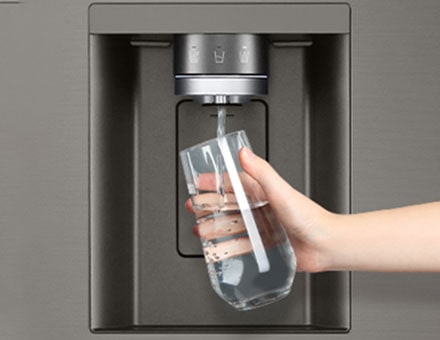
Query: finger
x=281, y=196
x=212, y=182
x=231, y=248
x=216, y=252
x=222, y=226
x=264, y=174
x=199, y=213
x=216, y=233
x=214, y=202
x=189, y=206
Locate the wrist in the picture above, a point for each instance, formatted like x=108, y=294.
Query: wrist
x=332, y=242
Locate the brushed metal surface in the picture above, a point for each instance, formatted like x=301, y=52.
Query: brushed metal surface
x=220, y=54
x=238, y=86
x=43, y=173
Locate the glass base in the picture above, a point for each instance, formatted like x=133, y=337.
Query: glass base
x=260, y=300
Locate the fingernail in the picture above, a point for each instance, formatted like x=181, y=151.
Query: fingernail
x=248, y=153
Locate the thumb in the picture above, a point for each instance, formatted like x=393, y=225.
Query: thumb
x=281, y=196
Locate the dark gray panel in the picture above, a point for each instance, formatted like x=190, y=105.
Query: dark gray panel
x=111, y=168
x=137, y=270
x=288, y=142
x=214, y=18
x=162, y=273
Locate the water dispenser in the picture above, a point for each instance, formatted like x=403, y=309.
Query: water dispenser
x=158, y=72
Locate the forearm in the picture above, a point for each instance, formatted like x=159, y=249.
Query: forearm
x=403, y=239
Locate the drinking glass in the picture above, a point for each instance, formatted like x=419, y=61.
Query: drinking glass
x=249, y=257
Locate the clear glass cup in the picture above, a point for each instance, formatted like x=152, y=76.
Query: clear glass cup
x=249, y=257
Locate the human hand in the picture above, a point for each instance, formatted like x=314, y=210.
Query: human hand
x=383, y=240
x=305, y=222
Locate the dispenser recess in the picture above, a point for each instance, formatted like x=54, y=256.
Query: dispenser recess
x=145, y=267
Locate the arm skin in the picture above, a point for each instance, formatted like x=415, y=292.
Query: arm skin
x=397, y=240
x=402, y=239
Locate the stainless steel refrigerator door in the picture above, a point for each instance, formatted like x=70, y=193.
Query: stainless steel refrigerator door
x=44, y=183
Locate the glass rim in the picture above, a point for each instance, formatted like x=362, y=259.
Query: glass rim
x=209, y=141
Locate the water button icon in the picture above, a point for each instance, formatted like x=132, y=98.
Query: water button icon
x=219, y=56
x=244, y=55
x=194, y=55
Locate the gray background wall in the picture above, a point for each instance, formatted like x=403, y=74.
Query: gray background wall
x=43, y=167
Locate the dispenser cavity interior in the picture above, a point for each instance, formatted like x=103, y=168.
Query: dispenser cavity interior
x=146, y=268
